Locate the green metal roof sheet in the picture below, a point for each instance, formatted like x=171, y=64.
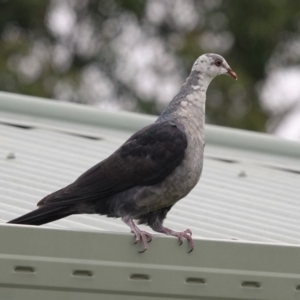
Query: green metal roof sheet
x=248, y=194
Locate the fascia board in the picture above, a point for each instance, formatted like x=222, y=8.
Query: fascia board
x=98, y=265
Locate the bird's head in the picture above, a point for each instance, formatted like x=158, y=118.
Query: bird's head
x=213, y=65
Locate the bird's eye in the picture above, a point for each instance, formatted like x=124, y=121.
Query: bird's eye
x=218, y=62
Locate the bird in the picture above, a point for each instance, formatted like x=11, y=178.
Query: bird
x=155, y=168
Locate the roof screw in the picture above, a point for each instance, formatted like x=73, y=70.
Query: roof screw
x=11, y=155
x=242, y=174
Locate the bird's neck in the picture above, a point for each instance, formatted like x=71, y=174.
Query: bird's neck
x=189, y=103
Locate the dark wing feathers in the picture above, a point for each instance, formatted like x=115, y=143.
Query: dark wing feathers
x=148, y=157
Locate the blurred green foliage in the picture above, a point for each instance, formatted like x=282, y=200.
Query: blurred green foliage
x=73, y=50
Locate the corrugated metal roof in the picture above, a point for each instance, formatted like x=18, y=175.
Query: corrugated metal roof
x=245, y=192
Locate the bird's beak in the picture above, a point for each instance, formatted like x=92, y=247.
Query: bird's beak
x=231, y=73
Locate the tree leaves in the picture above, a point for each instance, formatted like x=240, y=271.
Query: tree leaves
x=111, y=52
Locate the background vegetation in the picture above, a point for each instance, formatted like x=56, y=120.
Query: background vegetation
x=134, y=55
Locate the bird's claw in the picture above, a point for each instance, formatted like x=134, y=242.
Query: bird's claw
x=144, y=237
x=140, y=236
x=186, y=234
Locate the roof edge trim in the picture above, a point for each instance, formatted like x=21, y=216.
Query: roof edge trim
x=111, y=265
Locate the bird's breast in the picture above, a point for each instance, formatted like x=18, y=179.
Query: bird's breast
x=187, y=174
x=179, y=183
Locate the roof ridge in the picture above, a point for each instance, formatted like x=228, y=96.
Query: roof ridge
x=130, y=121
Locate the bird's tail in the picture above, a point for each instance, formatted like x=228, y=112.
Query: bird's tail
x=43, y=215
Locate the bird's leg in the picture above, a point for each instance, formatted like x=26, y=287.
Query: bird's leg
x=140, y=235
x=186, y=234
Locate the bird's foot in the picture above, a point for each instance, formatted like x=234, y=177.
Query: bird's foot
x=140, y=236
x=144, y=237
x=186, y=234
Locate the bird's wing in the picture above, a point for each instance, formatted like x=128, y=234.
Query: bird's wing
x=147, y=158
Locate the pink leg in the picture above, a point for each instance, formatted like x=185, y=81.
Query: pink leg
x=140, y=235
x=186, y=234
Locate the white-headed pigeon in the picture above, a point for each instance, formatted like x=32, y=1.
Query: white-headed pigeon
x=157, y=166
